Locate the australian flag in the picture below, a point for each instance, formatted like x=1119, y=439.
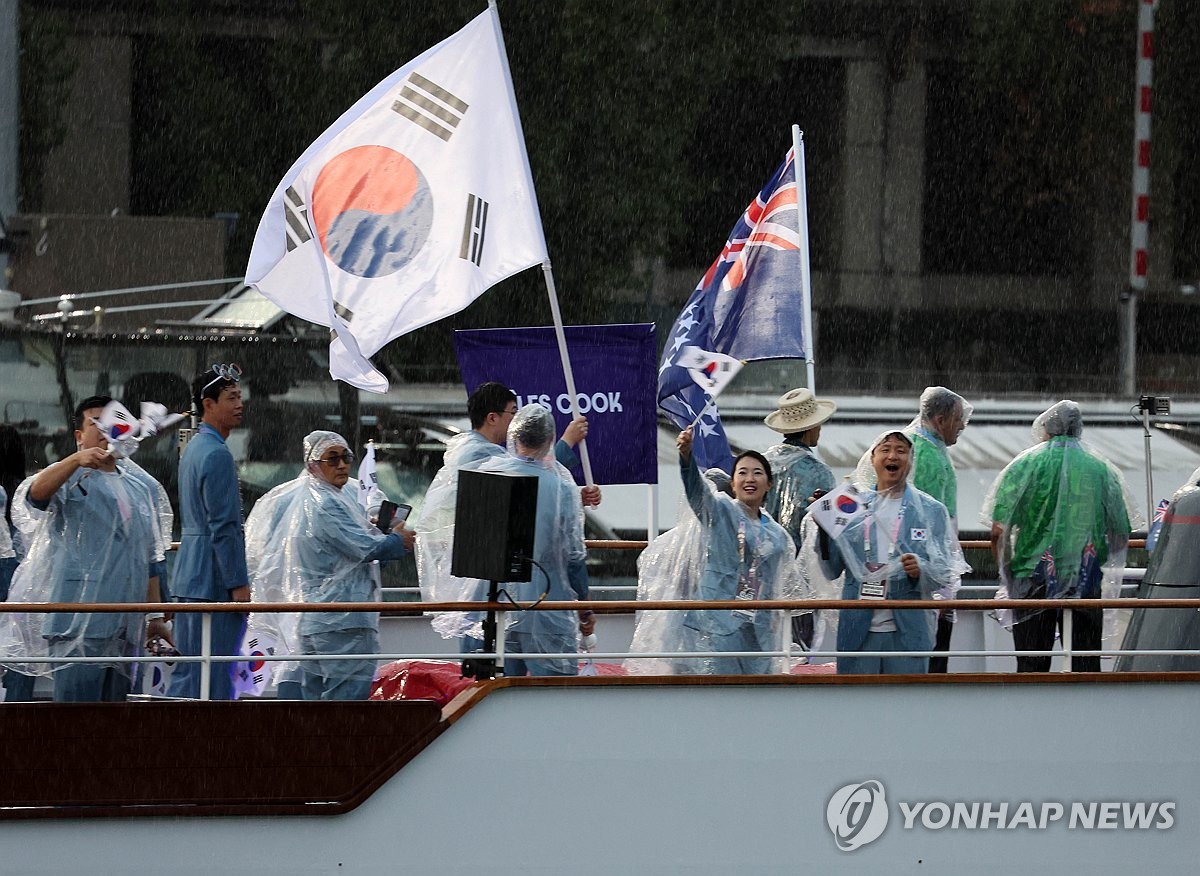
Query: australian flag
x=1090, y=573
x=747, y=305
x=1046, y=573
x=1160, y=514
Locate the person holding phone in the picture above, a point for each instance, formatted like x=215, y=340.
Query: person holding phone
x=391, y=514
x=311, y=541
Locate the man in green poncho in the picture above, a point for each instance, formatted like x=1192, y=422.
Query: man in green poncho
x=1060, y=527
x=944, y=415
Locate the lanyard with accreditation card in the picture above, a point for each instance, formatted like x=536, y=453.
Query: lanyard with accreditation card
x=748, y=583
x=875, y=585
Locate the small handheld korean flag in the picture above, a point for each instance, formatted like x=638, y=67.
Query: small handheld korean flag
x=711, y=371
x=368, y=478
x=121, y=429
x=252, y=677
x=155, y=418
x=838, y=508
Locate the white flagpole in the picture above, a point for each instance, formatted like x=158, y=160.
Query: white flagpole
x=566, y=363
x=805, y=270
x=703, y=411
x=546, y=269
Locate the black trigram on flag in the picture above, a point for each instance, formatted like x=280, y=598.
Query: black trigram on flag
x=474, y=226
x=297, y=219
x=429, y=105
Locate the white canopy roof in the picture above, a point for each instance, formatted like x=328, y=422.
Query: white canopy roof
x=984, y=449
x=979, y=456
x=990, y=442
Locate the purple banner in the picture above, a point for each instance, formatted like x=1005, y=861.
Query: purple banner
x=616, y=376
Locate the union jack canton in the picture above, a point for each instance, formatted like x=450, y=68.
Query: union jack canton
x=747, y=305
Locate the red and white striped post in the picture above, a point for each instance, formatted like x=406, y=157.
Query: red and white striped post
x=1139, y=225
x=1140, y=218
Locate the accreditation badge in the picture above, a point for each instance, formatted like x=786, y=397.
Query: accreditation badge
x=875, y=586
x=872, y=590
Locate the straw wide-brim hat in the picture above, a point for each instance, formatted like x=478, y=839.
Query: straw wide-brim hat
x=798, y=411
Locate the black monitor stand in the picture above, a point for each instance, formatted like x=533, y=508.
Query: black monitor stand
x=485, y=667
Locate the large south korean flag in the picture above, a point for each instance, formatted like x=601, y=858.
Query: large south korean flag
x=408, y=207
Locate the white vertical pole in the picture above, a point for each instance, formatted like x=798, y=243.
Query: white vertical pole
x=206, y=653
x=1068, y=635
x=651, y=511
x=546, y=269
x=805, y=268
x=500, y=625
x=566, y=363
x=1149, y=475
x=785, y=641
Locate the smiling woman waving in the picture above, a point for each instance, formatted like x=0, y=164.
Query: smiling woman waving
x=749, y=557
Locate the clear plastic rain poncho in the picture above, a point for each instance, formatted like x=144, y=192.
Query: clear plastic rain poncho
x=933, y=473
x=560, y=570
x=897, y=522
x=799, y=472
x=24, y=516
x=932, y=470
x=434, y=526
x=7, y=551
x=669, y=569
x=163, y=516
x=309, y=541
x=1064, y=514
x=266, y=561
x=741, y=558
x=94, y=542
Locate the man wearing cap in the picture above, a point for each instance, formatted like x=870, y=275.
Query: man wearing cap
x=799, y=472
x=943, y=417
x=211, y=564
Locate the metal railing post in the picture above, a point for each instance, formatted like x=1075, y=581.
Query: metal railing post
x=500, y=640
x=1067, y=640
x=785, y=640
x=206, y=653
